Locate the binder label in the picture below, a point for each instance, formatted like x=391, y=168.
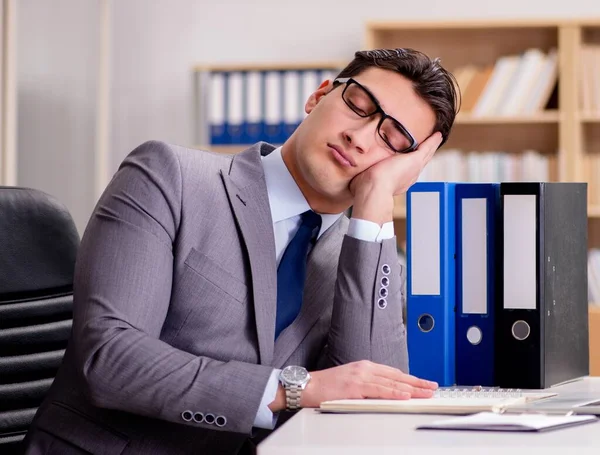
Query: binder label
x=425, y=243
x=520, y=251
x=474, y=261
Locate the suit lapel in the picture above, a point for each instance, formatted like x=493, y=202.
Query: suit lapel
x=247, y=192
x=321, y=274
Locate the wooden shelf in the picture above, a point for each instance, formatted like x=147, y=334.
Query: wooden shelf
x=594, y=211
x=399, y=212
x=480, y=24
x=542, y=117
x=588, y=117
x=291, y=66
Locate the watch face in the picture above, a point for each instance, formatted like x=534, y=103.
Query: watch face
x=295, y=375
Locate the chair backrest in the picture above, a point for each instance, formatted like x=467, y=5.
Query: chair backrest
x=38, y=248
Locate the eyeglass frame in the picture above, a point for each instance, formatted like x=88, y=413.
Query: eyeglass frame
x=378, y=110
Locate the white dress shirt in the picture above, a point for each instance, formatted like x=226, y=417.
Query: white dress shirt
x=287, y=203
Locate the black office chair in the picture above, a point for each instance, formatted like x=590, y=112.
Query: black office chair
x=38, y=246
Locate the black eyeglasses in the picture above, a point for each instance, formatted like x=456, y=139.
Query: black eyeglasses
x=364, y=104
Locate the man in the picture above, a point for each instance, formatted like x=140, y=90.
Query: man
x=207, y=286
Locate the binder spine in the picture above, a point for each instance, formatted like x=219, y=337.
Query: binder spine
x=477, y=208
x=519, y=305
x=431, y=281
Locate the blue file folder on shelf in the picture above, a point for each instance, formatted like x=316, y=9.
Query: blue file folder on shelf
x=477, y=206
x=218, y=108
x=431, y=281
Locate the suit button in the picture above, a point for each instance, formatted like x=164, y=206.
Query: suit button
x=187, y=415
x=382, y=303
x=209, y=418
x=220, y=421
x=385, y=269
x=383, y=292
x=385, y=281
x=198, y=417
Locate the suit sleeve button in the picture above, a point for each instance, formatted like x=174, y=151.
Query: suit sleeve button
x=209, y=418
x=221, y=421
x=187, y=415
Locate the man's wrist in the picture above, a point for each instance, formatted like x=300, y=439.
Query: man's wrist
x=374, y=206
x=278, y=404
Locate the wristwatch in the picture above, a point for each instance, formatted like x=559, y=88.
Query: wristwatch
x=293, y=379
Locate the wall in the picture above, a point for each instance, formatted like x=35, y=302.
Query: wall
x=57, y=67
x=155, y=43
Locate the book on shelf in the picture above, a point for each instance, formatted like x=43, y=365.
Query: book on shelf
x=589, y=78
x=514, y=85
x=244, y=106
x=454, y=165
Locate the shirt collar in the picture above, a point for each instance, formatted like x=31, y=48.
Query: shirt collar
x=285, y=198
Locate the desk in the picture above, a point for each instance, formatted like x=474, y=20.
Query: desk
x=310, y=432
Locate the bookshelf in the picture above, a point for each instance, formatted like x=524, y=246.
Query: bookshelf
x=305, y=79
x=565, y=134
x=566, y=130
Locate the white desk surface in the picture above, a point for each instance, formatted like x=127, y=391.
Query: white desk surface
x=310, y=432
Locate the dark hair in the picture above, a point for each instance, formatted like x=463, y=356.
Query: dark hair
x=432, y=82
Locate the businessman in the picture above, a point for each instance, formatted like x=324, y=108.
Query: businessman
x=216, y=294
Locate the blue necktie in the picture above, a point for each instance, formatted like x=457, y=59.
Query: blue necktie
x=291, y=272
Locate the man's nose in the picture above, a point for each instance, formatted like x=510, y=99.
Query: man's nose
x=362, y=136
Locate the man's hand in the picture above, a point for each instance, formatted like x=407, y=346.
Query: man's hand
x=375, y=188
x=362, y=379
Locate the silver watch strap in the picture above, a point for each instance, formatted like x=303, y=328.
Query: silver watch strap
x=292, y=396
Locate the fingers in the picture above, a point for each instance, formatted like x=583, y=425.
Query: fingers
x=397, y=375
x=373, y=390
x=389, y=385
x=429, y=146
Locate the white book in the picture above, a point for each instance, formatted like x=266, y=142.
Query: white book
x=495, y=89
x=528, y=71
x=542, y=89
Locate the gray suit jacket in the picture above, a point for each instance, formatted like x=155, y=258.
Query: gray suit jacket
x=174, y=309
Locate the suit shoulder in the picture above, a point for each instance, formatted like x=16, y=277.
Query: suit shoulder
x=168, y=156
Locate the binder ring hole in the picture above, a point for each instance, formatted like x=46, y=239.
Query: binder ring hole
x=474, y=335
x=521, y=330
x=426, y=323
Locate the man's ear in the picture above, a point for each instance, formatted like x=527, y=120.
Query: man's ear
x=325, y=87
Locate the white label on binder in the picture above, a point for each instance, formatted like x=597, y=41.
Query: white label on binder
x=254, y=97
x=235, y=105
x=310, y=84
x=217, y=99
x=291, y=91
x=273, y=98
x=474, y=256
x=519, y=251
x=425, y=242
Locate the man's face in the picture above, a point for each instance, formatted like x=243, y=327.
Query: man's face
x=334, y=144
